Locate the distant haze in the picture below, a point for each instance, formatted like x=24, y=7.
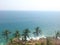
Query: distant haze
x=42, y=5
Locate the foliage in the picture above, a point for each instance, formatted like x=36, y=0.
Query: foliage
x=37, y=31
x=25, y=34
x=6, y=33
x=49, y=41
x=42, y=43
x=57, y=34
x=37, y=43
x=16, y=34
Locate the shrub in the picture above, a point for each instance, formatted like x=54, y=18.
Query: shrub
x=42, y=43
x=37, y=44
x=49, y=42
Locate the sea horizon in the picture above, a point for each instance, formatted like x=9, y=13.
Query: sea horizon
x=48, y=21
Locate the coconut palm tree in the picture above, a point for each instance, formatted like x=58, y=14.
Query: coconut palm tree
x=25, y=34
x=37, y=32
x=6, y=33
x=48, y=41
x=57, y=34
x=16, y=34
x=16, y=37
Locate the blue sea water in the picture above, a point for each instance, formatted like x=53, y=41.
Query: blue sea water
x=48, y=21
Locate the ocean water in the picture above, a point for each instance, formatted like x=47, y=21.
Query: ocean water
x=48, y=21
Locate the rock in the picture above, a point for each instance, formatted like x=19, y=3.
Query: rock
x=16, y=40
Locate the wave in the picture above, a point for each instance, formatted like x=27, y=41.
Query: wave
x=35, y=38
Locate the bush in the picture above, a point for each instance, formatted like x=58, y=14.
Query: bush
x=49, y=42
x=37, y=44
x=42, y=43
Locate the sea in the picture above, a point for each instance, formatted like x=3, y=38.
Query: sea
x=47, y=21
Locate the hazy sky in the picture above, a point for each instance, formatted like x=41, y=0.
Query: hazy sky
x=44, y=5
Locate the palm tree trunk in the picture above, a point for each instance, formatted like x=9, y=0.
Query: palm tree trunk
x=25, y=40
x=6, y=38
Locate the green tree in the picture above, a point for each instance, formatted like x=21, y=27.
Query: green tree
x=17, y=34
x=25, y=34
x=37, y=31
x=48, y=40
x=57, y=34
x=11, y=40
x=6, y=33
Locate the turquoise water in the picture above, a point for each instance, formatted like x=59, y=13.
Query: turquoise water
x=49, y=22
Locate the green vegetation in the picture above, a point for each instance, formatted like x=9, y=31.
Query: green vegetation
x=49, y=41
x=42, y=43
x=37, y=31
x=57, y=34
x=6, y=33
x=37, y=43
x=16, y=34
x=26, y=33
